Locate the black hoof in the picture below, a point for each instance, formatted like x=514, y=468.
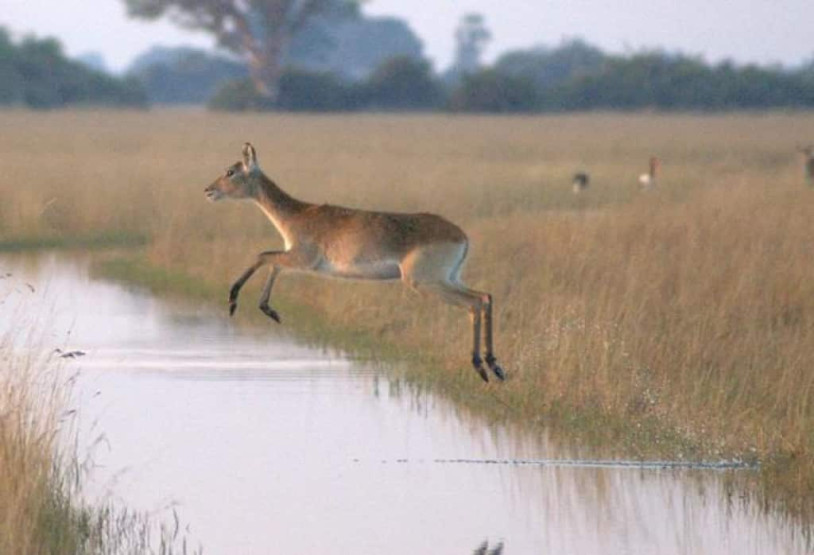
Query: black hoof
x=232, y=308
x=270, y=312
x=491, y=361
x=477, y=363
x=498, y=371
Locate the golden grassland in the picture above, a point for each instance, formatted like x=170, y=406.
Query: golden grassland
x=678, y=321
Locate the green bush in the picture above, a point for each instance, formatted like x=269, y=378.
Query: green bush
x=677, y=82
x=239, y=96
x=300, y=91
x=304, y=91
x=492, y=91
x=403, y=83
x=35, y=73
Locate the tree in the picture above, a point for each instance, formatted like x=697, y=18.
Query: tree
x=471, y=38
x=261, y=30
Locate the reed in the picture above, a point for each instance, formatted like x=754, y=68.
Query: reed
x=34, y=516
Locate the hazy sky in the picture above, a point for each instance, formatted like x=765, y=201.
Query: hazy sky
x=762, y=31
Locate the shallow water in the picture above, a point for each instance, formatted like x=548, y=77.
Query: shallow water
x=267, y=446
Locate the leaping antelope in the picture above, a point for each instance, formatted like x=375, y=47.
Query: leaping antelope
x=808, y=162
x=648, y=180
x=425, y=251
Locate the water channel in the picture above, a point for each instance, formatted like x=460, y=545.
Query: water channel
x=264, y=445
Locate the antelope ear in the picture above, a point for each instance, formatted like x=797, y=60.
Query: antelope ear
x=249, y=157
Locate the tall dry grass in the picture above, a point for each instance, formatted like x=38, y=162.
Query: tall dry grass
x=34, y=514
x=42, y=509
x=683, y=318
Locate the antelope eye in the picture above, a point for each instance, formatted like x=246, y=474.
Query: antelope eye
x=230, y=172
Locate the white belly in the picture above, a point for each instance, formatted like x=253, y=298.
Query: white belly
x=375, y=270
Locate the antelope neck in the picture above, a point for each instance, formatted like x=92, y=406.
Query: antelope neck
x=277, y=205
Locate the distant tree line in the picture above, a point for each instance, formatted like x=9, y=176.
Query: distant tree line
x=35, y=73
x=573, y=76
x=394, y=77
x=578, y=76
x=678, y=82
x=326, y=55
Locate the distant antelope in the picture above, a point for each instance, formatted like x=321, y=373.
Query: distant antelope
x=648, y=180
x=808, y=162
x=580, y=182
x=425, y=251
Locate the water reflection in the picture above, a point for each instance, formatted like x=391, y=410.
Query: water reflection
x=267, y=446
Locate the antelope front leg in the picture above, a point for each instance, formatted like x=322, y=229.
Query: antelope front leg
x=241, y=281
x=277, y=259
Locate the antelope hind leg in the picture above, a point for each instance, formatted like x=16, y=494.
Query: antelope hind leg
x=491, y=361
x=264, y=298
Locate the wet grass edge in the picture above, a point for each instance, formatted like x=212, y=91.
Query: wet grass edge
x=422, y=370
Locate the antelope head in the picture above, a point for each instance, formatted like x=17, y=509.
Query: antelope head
x=239, y=180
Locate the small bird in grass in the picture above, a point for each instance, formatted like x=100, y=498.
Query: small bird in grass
x=69, y=354
x=580, y=182
x=648, y=180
